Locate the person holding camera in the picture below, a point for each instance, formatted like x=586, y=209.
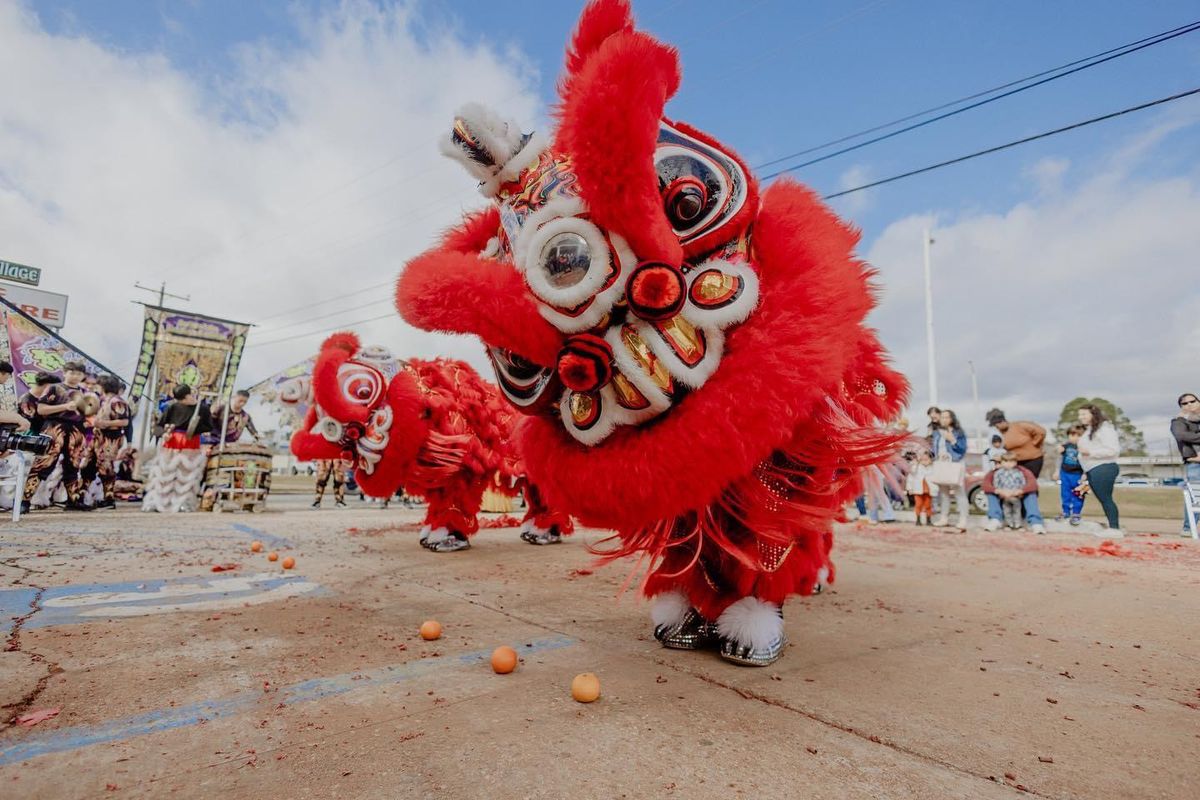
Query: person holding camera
x=56, y=408
x=1186, y=430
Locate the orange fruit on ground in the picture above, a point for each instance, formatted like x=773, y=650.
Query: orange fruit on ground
x=585, y=688
x=256, y=547
x=431, y=629
x=504, y=660
x=288, y=562
x=272, y=556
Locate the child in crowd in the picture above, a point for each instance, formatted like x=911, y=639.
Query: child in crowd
x=1011, y=490
x=994, y=453
x=919, y=486
x=1070, y=473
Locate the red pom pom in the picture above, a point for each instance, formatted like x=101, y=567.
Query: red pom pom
x=655, y=291
x=585, y=364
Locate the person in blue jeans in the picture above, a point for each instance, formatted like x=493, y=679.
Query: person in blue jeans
x=1186, y=430
x=1070, y=473
x=1012, y=488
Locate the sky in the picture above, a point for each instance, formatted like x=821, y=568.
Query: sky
x=268, y=159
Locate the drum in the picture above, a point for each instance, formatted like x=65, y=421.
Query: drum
x=240, y=476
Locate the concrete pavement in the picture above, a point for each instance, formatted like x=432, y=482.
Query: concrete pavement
x=939, y=665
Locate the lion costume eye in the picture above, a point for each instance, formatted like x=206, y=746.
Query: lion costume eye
x=360, y=384
x=684, y=201
x=565, y=259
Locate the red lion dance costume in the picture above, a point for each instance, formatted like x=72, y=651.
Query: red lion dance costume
x=691, y=355
x=431, y=427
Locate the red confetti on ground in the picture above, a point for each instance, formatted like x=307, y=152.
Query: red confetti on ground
x=36, y=716
x=1106, y=548
x=505, y=521
x=226, y=567
x=579, y=573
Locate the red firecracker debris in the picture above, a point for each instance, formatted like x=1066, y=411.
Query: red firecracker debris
x=37, y=715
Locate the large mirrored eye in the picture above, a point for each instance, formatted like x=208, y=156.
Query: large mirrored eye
x=685, y=201
x=360, y=384
x=565, y=259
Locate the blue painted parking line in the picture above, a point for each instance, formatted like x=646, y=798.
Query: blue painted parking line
x=270, y=540
x=166, y=719
x=73, y=605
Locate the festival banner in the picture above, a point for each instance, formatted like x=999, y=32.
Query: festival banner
x=31, y=347
x=193, y=349
x=272, y=390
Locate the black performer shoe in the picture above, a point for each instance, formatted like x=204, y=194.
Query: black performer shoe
x=340, y=504
x=693, y=632
x=452, y=543
x=316, y=503
x=551, y=536
x=747, y=656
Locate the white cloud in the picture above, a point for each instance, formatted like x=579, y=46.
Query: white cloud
x=309, y=173
x=852, y=204
x=1047, y=174
x=1089, y=290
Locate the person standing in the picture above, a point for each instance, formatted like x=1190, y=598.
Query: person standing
x=62, y=421
x=108, y=436
x=1098, y=450
x=949, y=469
x=239, y=420
x=1023, y=438
x=1070, y=474
x=332, y=468
x=1186, y=430
x=178, y=469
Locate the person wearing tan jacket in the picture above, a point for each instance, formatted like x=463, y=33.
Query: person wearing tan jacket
x=1023, y=438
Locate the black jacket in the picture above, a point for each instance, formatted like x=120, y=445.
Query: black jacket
x=1187, y=435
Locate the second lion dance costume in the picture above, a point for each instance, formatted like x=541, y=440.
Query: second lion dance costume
x=691, y=355
x=434, y=428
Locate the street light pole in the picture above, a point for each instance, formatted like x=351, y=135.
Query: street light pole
x=933, y=392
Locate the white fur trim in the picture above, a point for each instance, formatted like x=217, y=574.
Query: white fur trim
x=603, y=426
x=823, y=575
x=668, y=608
x=491, y=249
x=603, y=302
x=598, y=268
x=520, y=235
x=735, y=312
x=751, y=622
x=437, y=535
x=523, y=158
x=424, y=532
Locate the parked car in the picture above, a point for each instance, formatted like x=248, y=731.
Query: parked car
x=974, y=486
x=1172, y=481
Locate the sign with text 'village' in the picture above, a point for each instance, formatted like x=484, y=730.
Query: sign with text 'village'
x=20, y=273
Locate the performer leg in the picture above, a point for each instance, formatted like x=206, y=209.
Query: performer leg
x=339, y=486
x=541, y=525
x=452, y=517
x=75, y=463
x=44, y=464
x=104, y=457
x=323, y=470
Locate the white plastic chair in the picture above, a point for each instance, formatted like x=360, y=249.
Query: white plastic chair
x=1191, y=498
x=14, y=478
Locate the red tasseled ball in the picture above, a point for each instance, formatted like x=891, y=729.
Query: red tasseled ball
x=655, y=291
x=585, y=364
x=577, y=372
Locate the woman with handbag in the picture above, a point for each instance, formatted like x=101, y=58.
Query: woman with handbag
x=178, y=469
x=949, y=468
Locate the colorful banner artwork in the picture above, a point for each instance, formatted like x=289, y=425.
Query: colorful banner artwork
x=32, y=348
x=192, y=349
x=271, y=390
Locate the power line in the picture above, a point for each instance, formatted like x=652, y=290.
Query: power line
x=339, y=326
x=1091, y=61
x=274, y=331
x=1007, y=145
x=326, y=300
